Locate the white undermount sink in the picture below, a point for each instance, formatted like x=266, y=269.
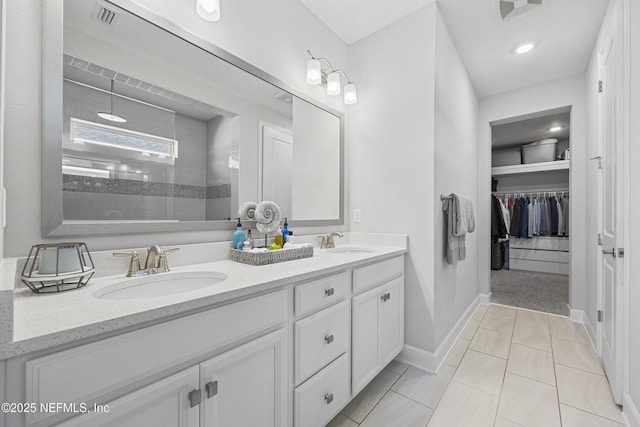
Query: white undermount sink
x=350, y=250
x=160, y=284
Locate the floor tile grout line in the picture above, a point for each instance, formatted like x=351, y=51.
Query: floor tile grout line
x=592, y=413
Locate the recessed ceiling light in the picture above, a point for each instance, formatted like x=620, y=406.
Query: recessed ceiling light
x=524, y=48
x=555, y=128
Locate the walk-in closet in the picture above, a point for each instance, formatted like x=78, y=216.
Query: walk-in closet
x=530, y=211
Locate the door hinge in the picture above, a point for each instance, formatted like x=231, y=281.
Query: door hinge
x=599, y=315
x=195, y=397
x=599, y=239
x=599, y=86
x=620, y=252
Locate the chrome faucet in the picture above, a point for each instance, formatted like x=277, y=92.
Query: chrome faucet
x=151, y=265
x=327, y=241
x=156, y=259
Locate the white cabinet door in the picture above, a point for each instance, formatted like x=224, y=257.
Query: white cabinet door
x=164, y=403
x=364, y=339
x=390, y=321
x=247, y=386
x=378, y=331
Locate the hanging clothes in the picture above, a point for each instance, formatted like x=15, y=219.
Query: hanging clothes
x=531, y=220
x=553, y=216
x=565, y=215
x=560, y=218
x=524, y=224
x=536, y=217
x=498, y=226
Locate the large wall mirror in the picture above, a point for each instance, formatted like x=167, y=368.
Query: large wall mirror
x=148, y=128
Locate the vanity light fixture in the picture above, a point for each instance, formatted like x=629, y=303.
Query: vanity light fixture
x=111, y=116
x=209, y=10
x=524, y=48
x=330, y=77
x=555, y=129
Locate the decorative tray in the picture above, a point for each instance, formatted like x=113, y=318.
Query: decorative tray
x=271, y=257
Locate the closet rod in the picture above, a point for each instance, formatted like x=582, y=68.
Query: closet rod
x=545, y=190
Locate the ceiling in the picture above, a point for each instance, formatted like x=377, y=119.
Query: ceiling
x=564, y=32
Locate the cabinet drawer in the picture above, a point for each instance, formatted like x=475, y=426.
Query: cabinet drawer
x=321, y=292
x=84, y=373
x=376, y=274
x=318, y=400
x=319, y=339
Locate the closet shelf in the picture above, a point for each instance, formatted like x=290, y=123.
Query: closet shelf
x=530, y=168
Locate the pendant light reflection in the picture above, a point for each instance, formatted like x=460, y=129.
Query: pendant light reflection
x=330, y=77
x=209, y=10
x=111, y=116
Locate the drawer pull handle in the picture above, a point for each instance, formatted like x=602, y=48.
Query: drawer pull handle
x=211, y=388
x=328, y=398
x=328, y=339
x=195, y=397
x=328, y=292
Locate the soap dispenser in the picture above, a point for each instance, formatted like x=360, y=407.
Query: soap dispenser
x=238, y=236
x=248, y=243
x=285, y=232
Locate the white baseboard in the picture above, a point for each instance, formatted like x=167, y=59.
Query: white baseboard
x=630, y=411
x=485, y=299
x=576, y=315
x=432, y=361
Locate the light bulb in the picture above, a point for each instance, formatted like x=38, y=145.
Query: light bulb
x=333, y=84
x=350, y=95
x=555, y=129
x=209, y=10
x=314, y=73
x=524, y=48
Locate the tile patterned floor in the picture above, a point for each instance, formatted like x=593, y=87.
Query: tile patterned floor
x=510, y=367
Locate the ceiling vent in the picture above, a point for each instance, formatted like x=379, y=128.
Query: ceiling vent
x=510, y=9
x=104, y=14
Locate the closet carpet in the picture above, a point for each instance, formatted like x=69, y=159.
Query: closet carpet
x=545, y=292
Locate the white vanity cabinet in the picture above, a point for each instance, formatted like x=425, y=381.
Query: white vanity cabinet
x=290, y=357
x=252, y=371
x=246, y=386
x=377, y=319
x=321, y=346
x=160, y=403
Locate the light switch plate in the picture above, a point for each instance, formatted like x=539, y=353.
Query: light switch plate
x=357, y=214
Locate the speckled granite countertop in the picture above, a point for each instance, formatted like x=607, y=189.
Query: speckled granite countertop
x=43, y=321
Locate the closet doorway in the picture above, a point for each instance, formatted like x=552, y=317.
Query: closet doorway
x=530, y=211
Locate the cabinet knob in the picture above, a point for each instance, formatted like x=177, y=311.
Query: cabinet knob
x=328, y=398
x=328, y=292
x=328, y=339
x=195, y=397
x=211, y=388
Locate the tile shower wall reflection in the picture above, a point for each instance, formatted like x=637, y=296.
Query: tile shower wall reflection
x=102, y=182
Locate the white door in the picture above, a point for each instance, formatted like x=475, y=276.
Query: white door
x=277, y=164
x=247, y=386
x=364, y=339
x=165, y=403
x=391, y=321
x=611, y=204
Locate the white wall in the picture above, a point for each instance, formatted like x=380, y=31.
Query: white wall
x=546, y=96
x=271, y=35
x=390, y=153
x=632, y=400
x=456, y=168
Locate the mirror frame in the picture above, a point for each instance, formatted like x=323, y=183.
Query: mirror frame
x=53, y=224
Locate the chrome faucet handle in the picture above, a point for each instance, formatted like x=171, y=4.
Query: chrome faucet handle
x=162, y=262
x=323, y=242
x=134, y=262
